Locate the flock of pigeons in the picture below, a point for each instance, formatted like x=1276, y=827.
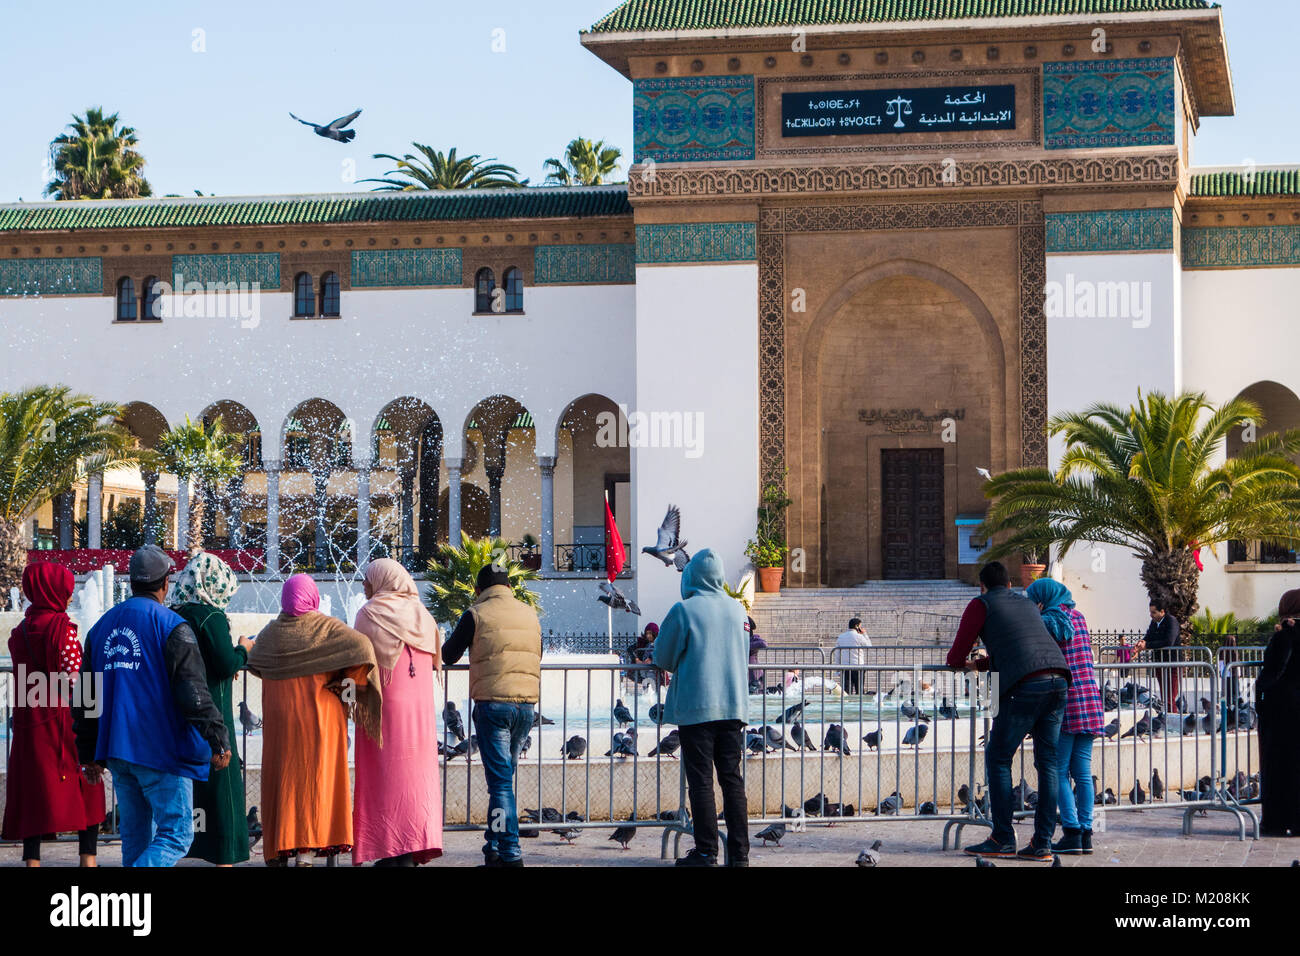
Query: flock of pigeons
x=1157, y=719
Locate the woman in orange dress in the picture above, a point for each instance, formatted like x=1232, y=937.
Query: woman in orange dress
x=315, y=670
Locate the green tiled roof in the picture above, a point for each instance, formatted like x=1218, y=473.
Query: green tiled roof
x=1263, y=182
x=637, y=16
x=536, y=202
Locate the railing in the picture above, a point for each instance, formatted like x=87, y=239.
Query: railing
x=1259, y=552
x=580, y=557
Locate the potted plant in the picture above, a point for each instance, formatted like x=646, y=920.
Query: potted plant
x=768, y=549
x=530, y=555
x=1031, y=567
x=453, y=572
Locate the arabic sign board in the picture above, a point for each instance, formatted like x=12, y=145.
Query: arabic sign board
x=940, y=109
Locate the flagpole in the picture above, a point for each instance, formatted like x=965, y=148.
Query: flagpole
x=609, y=608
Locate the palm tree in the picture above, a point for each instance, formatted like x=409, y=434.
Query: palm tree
x=434, y=170
x=202, y=450
x=49, y=437
x=585, y=163
x=1150, y=478
x=96, y=159
x=453, y=571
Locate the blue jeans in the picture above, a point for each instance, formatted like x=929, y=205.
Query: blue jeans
x=1074, y=759
x=1034, y=707
x=155, y=814
x=501, y=729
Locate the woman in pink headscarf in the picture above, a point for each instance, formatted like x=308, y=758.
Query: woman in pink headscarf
x=397, y=820
x=315, y=671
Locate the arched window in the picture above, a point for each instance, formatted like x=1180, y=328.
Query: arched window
x=514, y=279
x=329, y=294
x=150, y=300
x=126, y=300
x=485, y=284
x=304, y=296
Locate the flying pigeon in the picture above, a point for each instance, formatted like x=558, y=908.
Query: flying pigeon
x=668, y=746
x=669, y=546
x=249, y=719
x=774, y=833
x=334, y=130
x=452, y=720
x=791, y=712
x=617, y=599
x=984, y=473
x=621, y=713
x=574, y=747
x=870, y=857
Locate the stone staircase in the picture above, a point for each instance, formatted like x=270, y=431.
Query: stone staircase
x=902, y=612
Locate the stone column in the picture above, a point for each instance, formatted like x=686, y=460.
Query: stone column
x=494, y=475
x=547, y=465
x=95, y=510
x=64, y=513
x=182, y=513
x=321, y=481
x=453, y=500
x=407, y=506
x=150, y=507
x=272, y=471
x=362, y=465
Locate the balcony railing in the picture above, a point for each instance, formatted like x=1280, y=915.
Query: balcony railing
x=1257, y=552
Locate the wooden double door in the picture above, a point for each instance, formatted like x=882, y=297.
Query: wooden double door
x=912, y=518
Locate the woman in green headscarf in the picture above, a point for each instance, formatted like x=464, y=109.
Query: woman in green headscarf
x=201, y=593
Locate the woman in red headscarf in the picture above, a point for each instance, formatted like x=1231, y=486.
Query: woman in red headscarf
x=45, y=791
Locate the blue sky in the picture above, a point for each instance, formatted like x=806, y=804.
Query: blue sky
x=218, y=120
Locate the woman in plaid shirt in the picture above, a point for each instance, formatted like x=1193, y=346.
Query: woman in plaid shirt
x=1084, y=718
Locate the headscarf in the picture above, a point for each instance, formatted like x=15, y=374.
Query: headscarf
x=394, y=616
x=299, y=595
x=1053, y=596
x=206, y=579
x=651, y=628
x=1287, y=609
x=45, y=625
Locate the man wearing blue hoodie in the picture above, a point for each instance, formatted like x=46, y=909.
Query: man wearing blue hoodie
x=703, y=643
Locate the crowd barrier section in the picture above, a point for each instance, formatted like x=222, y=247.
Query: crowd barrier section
x=1181, y=735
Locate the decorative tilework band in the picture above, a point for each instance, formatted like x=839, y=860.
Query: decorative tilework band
x=612, y=262
x=52, y=276
x=693, y=119
x=1098, y=104
x=685, y=242
x=406, y=267
x=1241, y=247
x=241, y=268
x=1111, y=230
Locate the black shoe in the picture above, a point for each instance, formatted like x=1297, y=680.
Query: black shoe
x=696, y=858
x=733, y=862
x=492, y=859
x=1035, y=854
x=512, y=863
x=1071, y=842
x=991, y=847
x=1085, y=838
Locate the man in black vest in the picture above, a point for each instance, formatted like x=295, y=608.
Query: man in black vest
x=1030, y=679
x=1163, y=641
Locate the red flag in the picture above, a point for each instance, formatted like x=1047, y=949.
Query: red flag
x=615, y=556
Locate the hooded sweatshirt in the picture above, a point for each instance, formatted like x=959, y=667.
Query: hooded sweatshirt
x=703, y=643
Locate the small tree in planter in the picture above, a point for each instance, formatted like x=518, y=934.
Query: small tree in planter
x=453, y=572
x=768, y=548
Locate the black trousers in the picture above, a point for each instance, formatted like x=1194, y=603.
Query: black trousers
x=706, y=747
x=87, y=844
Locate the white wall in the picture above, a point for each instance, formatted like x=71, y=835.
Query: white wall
x=1107, y=359
x=697, y=351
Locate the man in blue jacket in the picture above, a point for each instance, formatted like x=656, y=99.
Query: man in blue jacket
x=704, y=644
x=153, y=723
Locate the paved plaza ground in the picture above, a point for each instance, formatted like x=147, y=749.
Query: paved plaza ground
x=1133, y=839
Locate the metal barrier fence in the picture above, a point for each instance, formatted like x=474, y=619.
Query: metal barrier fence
x=897, y=740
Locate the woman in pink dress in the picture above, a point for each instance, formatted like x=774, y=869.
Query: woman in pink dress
x=397, y=814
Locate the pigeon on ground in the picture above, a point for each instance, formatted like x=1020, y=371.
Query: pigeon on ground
x=775, y=739
x=963, y=797
x=815, y=806
x=947, y=711
x=254, y=827
x=1157, y=785
x=656, y=713
x=1137, y=794
x=1020, y=795
x=1111, y=729
x=467, y=746
x=1110, y=799
x=623, y=835
x=980, y=861
x=873, y=739
x=890, y=805
x=568, y=835
x=802, y=737
x=451, y=719
x=916, y=734
x=912, y=712
x=1109, y=699
x=668, y=746
x=621, y=713
x=1180, y=704
x=755, y=743
x=669, y=546
x=538, y=719
x=1056, y=861
x=334, y=130
x=623, y=745
x=525, y=745
x=773, y=833
x=871, y=856
x=1141, y=729
x=248, y=719
x=616, y=599
x=574, y=747
x=928, y=809
x=835, y=740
